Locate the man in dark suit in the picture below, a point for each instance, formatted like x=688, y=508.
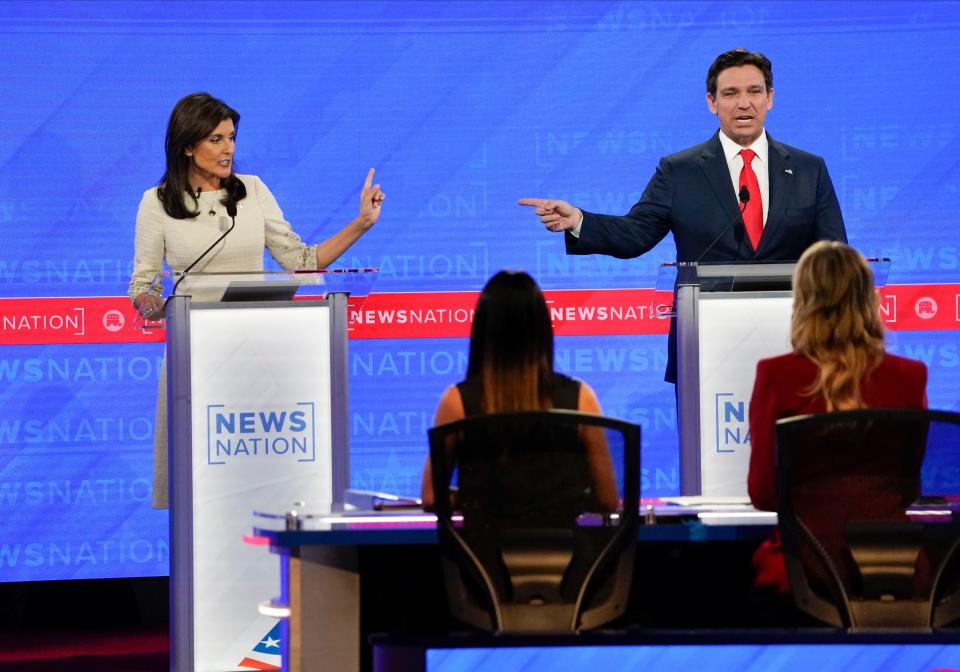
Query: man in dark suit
x=785, y=194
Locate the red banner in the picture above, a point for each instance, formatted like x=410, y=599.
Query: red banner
x=411, y=315
x=579, y=312
x=450, y=314
x=920, y=307
x=87, y=319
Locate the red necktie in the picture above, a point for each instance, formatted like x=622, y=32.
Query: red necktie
x=753, y=214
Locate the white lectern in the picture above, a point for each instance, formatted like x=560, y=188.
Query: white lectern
x=257, y=410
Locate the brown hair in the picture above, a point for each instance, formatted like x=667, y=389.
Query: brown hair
x=193, y=118
x=836, y=321
x=734, y=59
x=511, y=345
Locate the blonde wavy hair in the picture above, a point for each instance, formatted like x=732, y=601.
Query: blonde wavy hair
x=836, y=321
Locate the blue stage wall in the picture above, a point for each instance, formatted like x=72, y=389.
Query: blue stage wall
x=733, y=657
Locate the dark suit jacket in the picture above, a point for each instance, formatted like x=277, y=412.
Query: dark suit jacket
x=779, y=392
x=692, y=196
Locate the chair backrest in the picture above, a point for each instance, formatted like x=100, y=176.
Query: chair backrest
x=540, y=533
x=844, y=483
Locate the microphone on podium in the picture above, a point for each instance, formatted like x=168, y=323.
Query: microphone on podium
x=744, y=197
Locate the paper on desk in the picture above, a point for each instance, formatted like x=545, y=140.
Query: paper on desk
x=749, y=516
x=710, y=502
x=714, y=510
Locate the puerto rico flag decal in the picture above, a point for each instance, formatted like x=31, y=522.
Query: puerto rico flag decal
x=266, y=654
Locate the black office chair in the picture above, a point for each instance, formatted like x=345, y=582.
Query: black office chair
x=536, y=549
x=854, y=557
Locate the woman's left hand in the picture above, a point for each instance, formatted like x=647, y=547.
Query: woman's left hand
x=370, y=200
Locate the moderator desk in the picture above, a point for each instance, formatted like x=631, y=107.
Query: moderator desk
x=345, y=576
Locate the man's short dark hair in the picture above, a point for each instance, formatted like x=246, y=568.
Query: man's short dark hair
x=734, y=59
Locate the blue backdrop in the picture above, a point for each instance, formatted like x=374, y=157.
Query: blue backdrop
x=462, y=108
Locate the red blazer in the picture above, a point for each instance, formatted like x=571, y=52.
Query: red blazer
x=778, y=392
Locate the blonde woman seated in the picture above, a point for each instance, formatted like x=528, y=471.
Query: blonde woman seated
x=838, y=363
x=510, y=368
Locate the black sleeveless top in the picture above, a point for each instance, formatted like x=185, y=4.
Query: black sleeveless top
x=545, y=484
x=566, y=394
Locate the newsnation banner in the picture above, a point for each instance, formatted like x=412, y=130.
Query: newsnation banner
x=624, y=312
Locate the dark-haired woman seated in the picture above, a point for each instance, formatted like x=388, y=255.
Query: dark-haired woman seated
x=510, y=368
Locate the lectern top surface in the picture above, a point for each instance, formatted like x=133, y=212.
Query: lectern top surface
x=745, y=276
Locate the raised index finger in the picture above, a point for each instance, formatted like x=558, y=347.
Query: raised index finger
x=369, y=180
x=536, y=202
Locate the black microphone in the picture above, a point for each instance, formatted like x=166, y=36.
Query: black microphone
x=744, y=197
x=232, y=212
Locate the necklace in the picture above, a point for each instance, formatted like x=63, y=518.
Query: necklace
x=212, y=211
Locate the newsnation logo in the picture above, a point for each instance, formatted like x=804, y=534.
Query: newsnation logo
x=277, y=432
x=733, y=429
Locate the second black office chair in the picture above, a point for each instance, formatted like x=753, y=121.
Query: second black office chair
x=537, y=548
x=853, y=556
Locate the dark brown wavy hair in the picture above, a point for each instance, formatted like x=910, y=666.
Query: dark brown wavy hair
x=511, y=345
x=193, y=118
x=736, y=58
x=836, y=321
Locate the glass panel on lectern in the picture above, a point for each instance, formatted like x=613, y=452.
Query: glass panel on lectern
x=278, y=285
x=744, y=276
x=667, y=276
x=262, y=286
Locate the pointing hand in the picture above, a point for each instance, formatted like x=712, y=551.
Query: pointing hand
x=555, y=215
